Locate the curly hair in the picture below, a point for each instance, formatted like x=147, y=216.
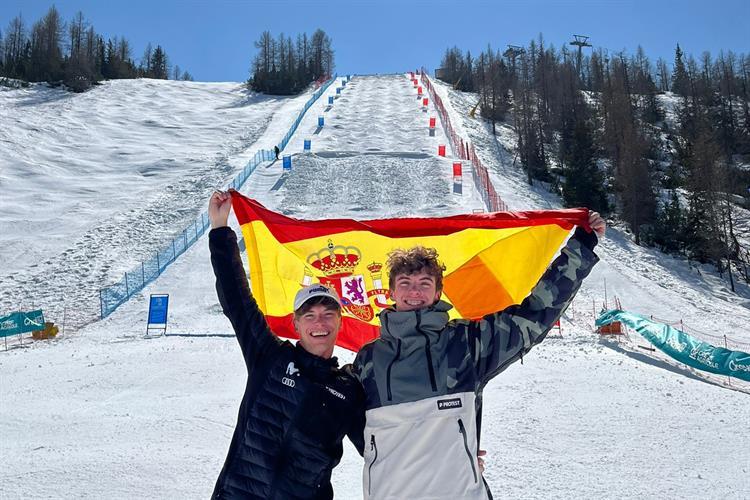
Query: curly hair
x=414, y=260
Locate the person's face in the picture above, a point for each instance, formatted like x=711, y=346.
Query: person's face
x=318, y=329
x=414, y=291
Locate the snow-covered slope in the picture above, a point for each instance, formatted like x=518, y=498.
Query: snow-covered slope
x=372, y=158
x=107, y=413
x=94, y=183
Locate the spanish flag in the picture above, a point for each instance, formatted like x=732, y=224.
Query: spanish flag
x=492, y=260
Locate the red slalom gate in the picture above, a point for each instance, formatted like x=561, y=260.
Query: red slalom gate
x=462, y=149
x=441, y=150
x=457, y=172
x=432, y=122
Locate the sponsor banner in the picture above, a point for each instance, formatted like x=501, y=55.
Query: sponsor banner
x=21, y=322
x=682, y=347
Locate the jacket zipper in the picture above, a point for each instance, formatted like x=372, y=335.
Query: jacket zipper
x=373, y=446
x=388, y=373
x=462, y=430
x=427, y=352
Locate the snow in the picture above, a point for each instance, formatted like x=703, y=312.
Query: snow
x=105, y=412
x=102, y=180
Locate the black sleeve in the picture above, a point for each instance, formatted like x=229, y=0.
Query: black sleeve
x=356, y=432
x=238, y=304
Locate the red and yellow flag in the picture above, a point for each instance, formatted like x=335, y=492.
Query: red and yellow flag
x=492, y=260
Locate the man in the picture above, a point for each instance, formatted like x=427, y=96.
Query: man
x=298, y=404
x=423, y=378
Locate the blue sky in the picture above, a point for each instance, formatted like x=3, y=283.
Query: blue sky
x=213, y=39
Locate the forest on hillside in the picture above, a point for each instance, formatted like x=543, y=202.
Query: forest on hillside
x=284, y=67
x=75, y=55
x=663, y=147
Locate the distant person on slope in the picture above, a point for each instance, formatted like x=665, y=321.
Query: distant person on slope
x=423, y=377
x=298, y=405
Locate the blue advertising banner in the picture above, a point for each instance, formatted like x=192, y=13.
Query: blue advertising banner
x=682, y=347
x=21, y=322
x=157, y=309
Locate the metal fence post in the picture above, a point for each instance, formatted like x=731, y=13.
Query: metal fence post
x=729, y=379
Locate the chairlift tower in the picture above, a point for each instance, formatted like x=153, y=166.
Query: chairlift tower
x=580, y=41
x=513, y=52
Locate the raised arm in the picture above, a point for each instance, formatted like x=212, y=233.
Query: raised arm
x=250, y=326
x=507, y=335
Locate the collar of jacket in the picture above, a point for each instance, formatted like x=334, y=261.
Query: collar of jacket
x=313, y=366
x=416, y=324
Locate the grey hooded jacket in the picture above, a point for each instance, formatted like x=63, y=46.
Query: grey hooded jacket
x=423, y=380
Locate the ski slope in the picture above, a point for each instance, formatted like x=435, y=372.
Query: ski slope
x=97, y=182
x=373, y=158
x=105, y=413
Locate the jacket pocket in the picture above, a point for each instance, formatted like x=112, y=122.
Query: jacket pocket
x=374, y=448
x=462, y=430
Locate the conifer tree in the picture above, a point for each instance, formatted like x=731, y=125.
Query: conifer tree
x=670, y=228
x=584, y=182
x=45, y=58
x=159, y=64
x=14, y=50
x=680, y=84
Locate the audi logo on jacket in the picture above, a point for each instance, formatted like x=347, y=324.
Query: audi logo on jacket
x=296, y=409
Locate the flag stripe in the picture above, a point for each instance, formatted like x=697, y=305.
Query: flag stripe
x=475, y=302
x=287, y=229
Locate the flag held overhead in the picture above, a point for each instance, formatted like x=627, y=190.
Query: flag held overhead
x=492, y=260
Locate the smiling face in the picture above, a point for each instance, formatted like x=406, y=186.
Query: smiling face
x=414, y=291
x=415, y=277
x=318, y=327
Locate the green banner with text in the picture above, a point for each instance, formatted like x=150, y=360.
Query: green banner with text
x=21, y=322
x=682, y=347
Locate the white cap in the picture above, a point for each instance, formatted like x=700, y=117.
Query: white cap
x=316, y=290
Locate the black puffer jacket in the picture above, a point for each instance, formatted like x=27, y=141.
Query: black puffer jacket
x=297, y=407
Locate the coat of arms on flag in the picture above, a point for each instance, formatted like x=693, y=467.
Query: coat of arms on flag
x=336, y=266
